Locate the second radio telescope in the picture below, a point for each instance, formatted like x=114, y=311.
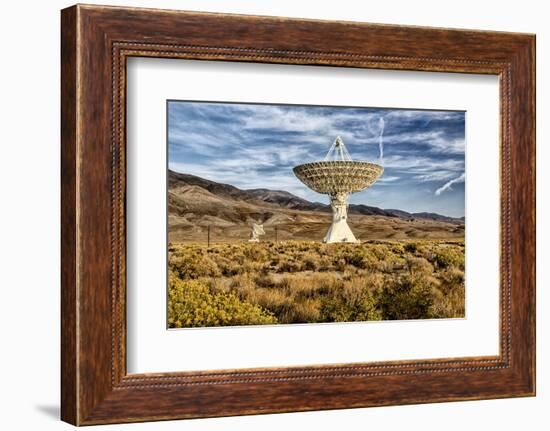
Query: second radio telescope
x=338, y=176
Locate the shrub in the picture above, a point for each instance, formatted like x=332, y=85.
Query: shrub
x=306, y=311
x=349, y=305
x=449, y=256
x=451, y=303
x=410, y=247
x=419, y=265
x=361, y=259
x=265, y=280
x=310, y=261
x=190, y=304
x=193, y=266
x=397, y=248
x=290, y=265
x=227, y=266
x=451, y=278
x=408, y=297
x=255, y=252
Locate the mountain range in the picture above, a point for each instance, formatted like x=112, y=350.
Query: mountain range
x=195, y=203
x=288, y=200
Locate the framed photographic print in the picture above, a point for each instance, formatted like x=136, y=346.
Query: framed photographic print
x=261, y=256
x=265, y=215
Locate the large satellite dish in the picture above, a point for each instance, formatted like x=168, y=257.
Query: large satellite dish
x=338, y=176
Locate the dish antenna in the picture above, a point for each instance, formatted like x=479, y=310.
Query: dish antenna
x=257, y=231
x=338, y=176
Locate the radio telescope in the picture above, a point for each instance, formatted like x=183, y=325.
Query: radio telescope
x=338, y=176
x=257, y=231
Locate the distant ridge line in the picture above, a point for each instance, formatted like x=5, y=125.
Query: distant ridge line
x=288, y=200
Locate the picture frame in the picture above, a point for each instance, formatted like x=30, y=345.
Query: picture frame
x=96, y=42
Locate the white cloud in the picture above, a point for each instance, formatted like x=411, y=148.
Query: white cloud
x=448, y=184
x=412, y=164
x=256, y=146
x=437, y=175
x=387, y=179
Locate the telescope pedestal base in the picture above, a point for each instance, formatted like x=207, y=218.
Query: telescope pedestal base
x=339, y=230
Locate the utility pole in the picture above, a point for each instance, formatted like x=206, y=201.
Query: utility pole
x=276, y=236
x=208, y=236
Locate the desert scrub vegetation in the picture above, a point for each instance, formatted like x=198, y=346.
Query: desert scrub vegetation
x=191, y=304
x=310, y=282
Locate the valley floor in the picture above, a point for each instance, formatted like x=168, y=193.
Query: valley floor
x=304, y=226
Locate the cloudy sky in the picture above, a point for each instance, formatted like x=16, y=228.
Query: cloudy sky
x=256, y=146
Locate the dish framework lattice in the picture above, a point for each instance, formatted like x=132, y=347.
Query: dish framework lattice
x=338, y=176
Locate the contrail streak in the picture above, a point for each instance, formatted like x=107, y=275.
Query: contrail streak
x=381, y=125
x=448, y=184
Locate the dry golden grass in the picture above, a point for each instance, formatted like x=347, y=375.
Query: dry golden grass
x=307, y=282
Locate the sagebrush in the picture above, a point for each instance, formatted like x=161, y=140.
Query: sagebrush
x=310, y=282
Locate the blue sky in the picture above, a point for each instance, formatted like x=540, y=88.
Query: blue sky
x=256, y=146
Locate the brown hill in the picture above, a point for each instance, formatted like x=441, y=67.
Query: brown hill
x=195, y=203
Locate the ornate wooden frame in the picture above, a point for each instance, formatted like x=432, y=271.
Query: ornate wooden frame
x=96, y=41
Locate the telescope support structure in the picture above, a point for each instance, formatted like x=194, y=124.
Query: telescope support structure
x=338, y=176
x=339, y=230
